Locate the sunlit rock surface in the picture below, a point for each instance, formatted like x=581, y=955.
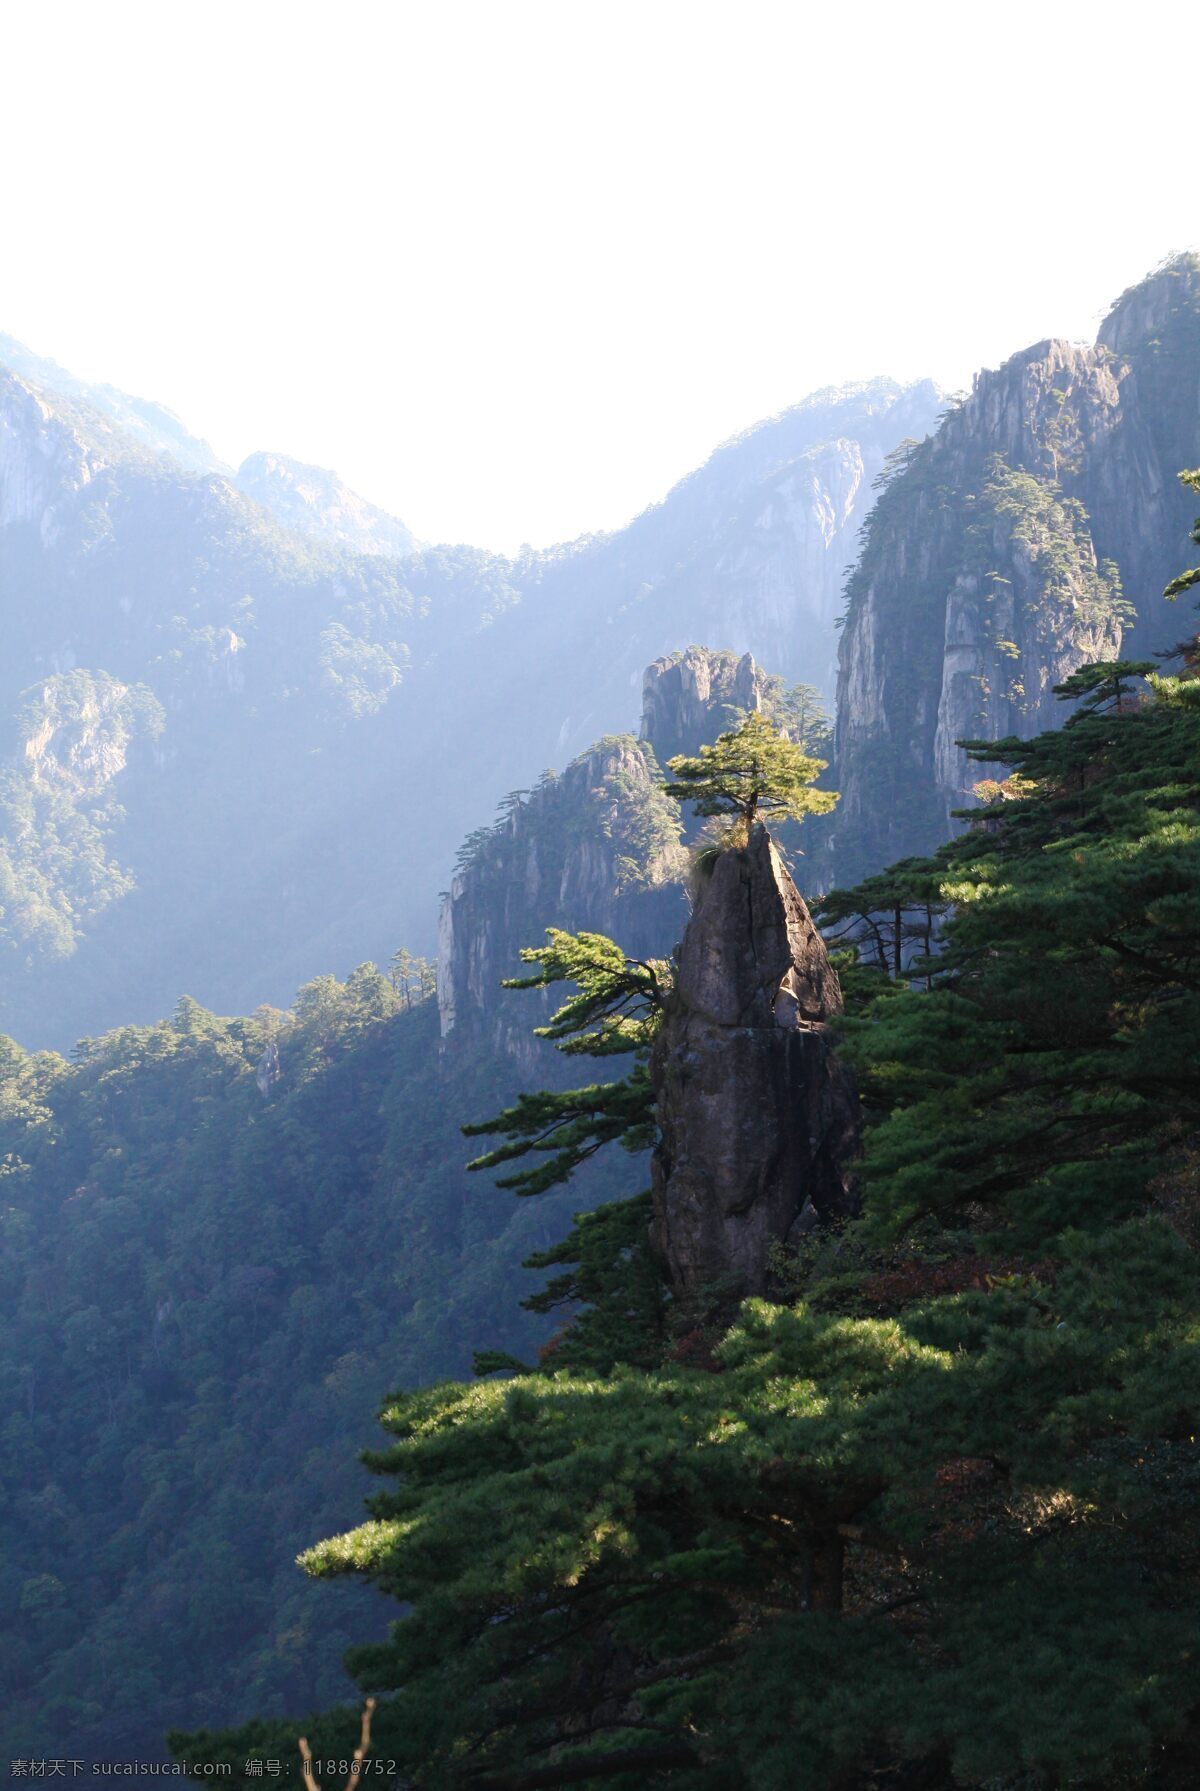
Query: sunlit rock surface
x=758, y=1116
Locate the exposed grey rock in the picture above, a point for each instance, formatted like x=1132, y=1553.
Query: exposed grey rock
x=79, y=730
x=962, y=616
x=315, y=502
x=269, y=1070
x=758, y=1116
x=304, y=684
x=559, y=857
x=152, y=425
x=687, y=697
x=557, y=860
x=46, y=457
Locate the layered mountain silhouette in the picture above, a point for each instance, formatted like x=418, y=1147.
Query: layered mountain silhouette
x=306, y=731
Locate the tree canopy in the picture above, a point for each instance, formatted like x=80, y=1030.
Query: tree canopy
x=609, y=1285
x=936, y=1519
x=616, y=1011
x=931, y=1520
x=754, y=772
x=1187, y=581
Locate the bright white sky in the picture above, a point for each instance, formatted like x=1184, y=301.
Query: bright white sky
x=512, y=267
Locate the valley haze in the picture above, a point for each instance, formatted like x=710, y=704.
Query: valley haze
x=256, y=733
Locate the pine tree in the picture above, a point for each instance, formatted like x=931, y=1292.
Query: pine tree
x=940, y=1515
x=616, y=1011
x=1188, y=580
x=936, y=1522
x=611, y=1287
x=752, y=773
x=884, y=917
x=1104, y=684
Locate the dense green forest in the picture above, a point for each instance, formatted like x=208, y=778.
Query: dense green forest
x=926, y=1516
x=922, y=1516
x=220, y=1239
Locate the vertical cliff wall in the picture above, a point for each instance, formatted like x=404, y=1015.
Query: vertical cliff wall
x=690, y=697
x=594, y=850
x=597, y=849
x=1032, y=533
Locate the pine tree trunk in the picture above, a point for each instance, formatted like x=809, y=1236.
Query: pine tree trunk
x=827, y=1563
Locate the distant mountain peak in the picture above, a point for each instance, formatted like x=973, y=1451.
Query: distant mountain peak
x=1146, y=308
x=310, y=500
x=150, y=424
x=314, y=501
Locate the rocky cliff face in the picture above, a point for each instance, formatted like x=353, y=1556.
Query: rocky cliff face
x=315, y=502
x=47, y=456
x=596, y=850
x=75, y=736
x=758, y=1117
x=1032, y=533
x=151, y=425
x=689, y=697
x=750, y=551
x=305, y=684
x=77, y=730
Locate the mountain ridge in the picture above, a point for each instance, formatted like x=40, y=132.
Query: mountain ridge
x=1033, y=532
x=302, y=682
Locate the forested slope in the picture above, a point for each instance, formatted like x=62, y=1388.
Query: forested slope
x=221, y=1237
x=212, y=1259
x=309, y=697
x=924, y=1513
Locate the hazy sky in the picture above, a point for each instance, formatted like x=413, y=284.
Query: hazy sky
x=513, y=267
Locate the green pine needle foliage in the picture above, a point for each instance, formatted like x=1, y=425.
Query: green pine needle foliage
x=931, y=1521
x=754, y=772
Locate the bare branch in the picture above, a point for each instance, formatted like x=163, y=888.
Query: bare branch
x=360, y=1753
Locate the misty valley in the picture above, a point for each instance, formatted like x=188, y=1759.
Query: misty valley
x=807, y=1397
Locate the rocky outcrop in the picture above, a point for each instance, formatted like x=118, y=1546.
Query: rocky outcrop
x=152, y=425
x=1034, y=532
x=46, y=459
x=751, y=550
x=311, y=690
x=595, y=850
x=758, y=1117
x=77, y=730
x=689, y=697
x=314, y=501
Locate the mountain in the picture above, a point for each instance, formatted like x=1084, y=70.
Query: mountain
x=1033, y=532
x=257, y=651
x=300, y=713
x=315, y=502
x=231, y=749
x=596, y=850
x=922, y=1514
x=750, y=551
x=150, y=424
x=314, y=705
x=224, y=1238
x=308, y=499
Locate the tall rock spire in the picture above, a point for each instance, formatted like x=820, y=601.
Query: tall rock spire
x=758, y=1117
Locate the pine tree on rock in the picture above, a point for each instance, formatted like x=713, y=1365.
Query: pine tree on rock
x=932, y=1522
x=753, y=773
